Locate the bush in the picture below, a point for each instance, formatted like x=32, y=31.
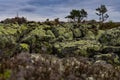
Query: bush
x=109, y=25
x=46, y=67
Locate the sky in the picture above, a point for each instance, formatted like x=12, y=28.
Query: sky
x=40, y=10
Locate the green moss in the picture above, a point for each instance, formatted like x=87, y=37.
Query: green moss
x=11, y=31
x=60, y=38
x=49, y=32
x=6, y=75
x=82, y=52
x=79, y=47
x=48, y=47
x=77, y=33
x=24, y=47
x=111, y=37
x=61, y=31
x=116, y=60
x=100, y=32
x=90, y=35
x=68, y=35
x=46, y=27
x=38, y=32
x=107, y=49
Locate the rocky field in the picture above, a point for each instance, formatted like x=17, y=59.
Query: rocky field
x=65, y=51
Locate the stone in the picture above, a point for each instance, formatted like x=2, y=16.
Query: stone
x=111, y=37
x=77, y=47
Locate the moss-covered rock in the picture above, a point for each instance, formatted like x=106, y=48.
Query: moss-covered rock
x=62, y=33
x=77, y=47
x=59, y=31
x=77, y=33
x=68, y=35
x=107, y=49
x=49, y=32
x=111, y=37
x=109, y=57
x=89, y=35
x=39, y=32
x=99, y=34
x=46, y=47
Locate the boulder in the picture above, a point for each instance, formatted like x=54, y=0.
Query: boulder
x=99, y=34
x=81, y=47
x=107, y=49
x=109, y=57
x=89, y=35
x=77, y=33
x=62, y=33
x=111, y=37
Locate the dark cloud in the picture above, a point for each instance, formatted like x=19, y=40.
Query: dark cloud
x=47, y=2
x=31, y=10
x=2, y=10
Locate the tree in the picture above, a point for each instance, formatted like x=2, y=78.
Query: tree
x=101, y=12
x=56, y=21
x=19, y=20
x=47, y=22
x=77, y=15
x=73, y=15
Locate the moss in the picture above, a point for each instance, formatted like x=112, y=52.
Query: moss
x=116, y=60
x=109, y=57
x=61, y=31
x=68, y=36
x=9, y=30
x=111, y=37
x=49, y=32
x=90, y=35
x=79, y=47
x=46, y=47
x=24, y=47
x=100, y=32
x=77, y=33
x=82, y=52
x=7, y=41
x=107, y=49
x=6, y=74
x=38, y=32
x=60, y=38
x=104, y=55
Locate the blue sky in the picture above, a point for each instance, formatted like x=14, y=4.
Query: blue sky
x=39, y=10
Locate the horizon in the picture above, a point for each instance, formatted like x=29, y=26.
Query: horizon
x=39, y=10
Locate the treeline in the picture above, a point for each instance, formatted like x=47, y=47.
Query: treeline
x=80, y=15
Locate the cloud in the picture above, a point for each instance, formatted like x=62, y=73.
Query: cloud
x=30, y=10
x=42, y=9
x=46, y=2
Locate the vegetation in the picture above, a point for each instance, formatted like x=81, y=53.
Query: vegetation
x=15, y=20
x=77, y=15
x=101, y=12
x=56, y=50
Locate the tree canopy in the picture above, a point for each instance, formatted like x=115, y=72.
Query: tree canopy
x=77, y=15
x=101, y=12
